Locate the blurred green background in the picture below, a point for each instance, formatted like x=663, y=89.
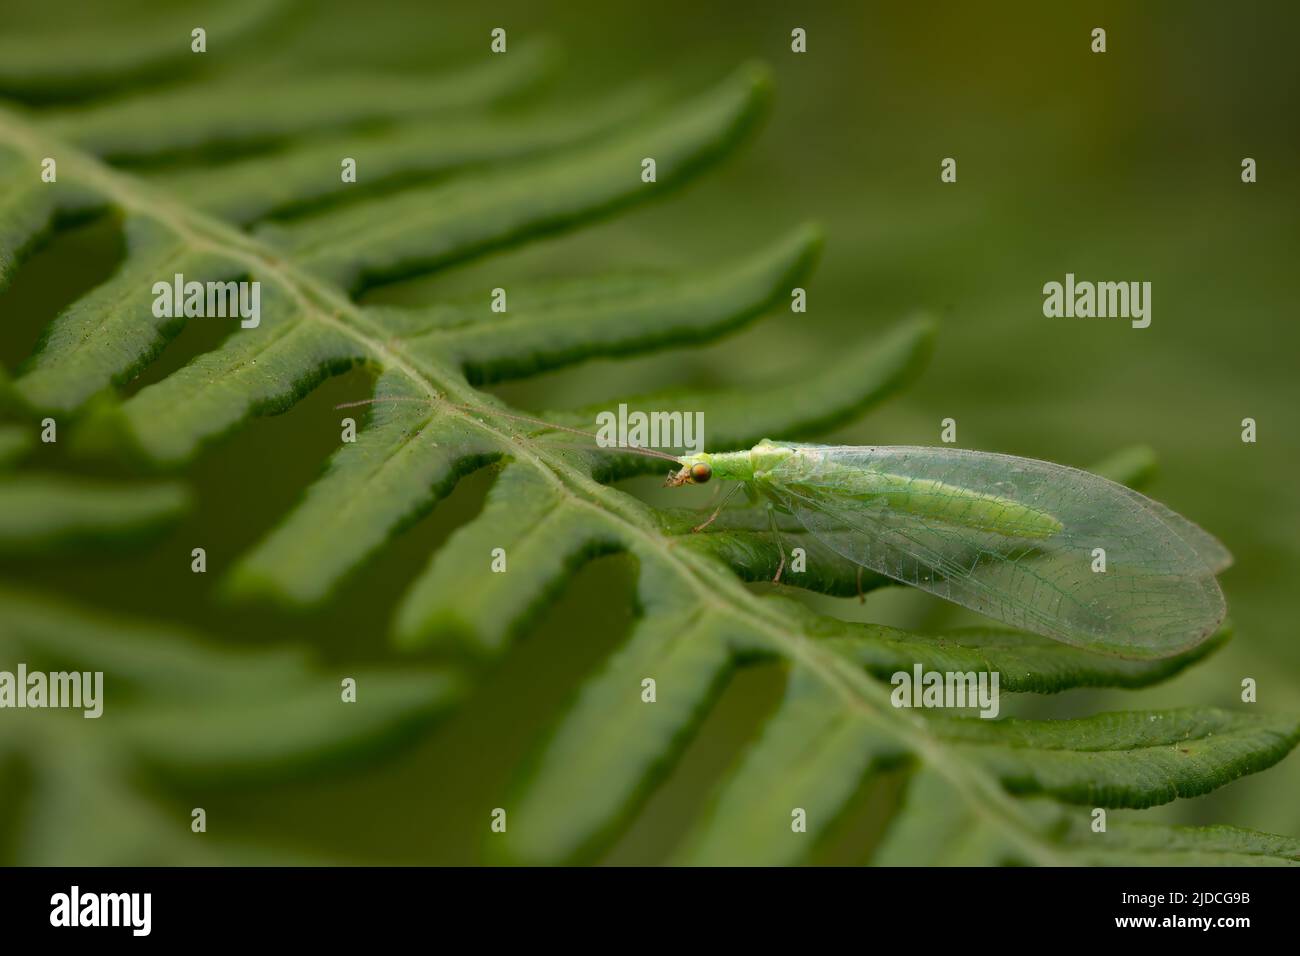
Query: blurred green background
x=1122, y=166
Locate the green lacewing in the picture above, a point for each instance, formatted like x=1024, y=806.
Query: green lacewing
x=1038, y=546
x=1041, y=547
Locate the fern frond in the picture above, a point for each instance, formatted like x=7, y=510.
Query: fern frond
x=1009, y=785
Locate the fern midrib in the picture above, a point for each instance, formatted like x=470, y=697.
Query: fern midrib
x=710, y=582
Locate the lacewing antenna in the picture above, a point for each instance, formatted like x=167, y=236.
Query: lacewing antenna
x=595, y=446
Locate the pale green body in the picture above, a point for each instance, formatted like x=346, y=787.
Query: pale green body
x=1039, y=546
x=770, y=468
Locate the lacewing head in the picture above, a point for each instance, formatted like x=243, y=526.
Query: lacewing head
x=694, y=471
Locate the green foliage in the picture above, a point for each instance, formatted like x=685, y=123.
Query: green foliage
x=115, y=44
x=978, y=791
x=176, y=707
x=52, y=510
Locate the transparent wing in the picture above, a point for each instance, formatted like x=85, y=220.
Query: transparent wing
x=1207, y=546
x=1014, y=539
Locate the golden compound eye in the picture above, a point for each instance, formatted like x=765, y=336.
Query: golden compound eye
x=700, y=473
